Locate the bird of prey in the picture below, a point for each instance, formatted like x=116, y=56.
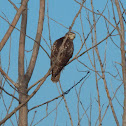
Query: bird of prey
x=61, y=52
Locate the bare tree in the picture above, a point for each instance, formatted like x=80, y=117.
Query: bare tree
x=99, y=74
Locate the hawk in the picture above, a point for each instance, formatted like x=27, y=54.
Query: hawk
x=60, y=57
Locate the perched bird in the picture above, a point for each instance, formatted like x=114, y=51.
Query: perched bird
x=61, y=55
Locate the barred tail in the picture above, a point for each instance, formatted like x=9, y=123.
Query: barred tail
x=55, y=79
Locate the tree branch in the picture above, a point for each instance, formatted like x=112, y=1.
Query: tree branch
x=22, y=46
x=4, y=74
x=123, y=58
x=29, y=97
x=13, y=5
x=38, y=39
x=9, y=94
x=14, y=22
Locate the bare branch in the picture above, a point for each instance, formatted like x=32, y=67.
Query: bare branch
x=64, y=93
x=14, y=22
x=29, y=97
x=6, y=76
x=122, y=38
x=92, y=46
x=48, y=23
x=22, y=46
x=66, y=105
x=13, y=5
x=38, y=39
x=27, y=36
x=9, y=94
x=49, y=113
x=33, y=118
x=98, y=93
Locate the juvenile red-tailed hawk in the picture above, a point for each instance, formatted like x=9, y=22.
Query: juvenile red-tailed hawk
x=60, y=61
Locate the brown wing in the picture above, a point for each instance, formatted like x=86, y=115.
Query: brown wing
x=63, y=58
x=55, y=49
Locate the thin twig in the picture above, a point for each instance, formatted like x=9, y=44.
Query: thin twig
x=33, y=118
x=9, y=94
x=66, y=92
x=7, y=77
x=27, y=36
x=13, y=5
x=48, y=23
x=70, y=117
x=48, y=113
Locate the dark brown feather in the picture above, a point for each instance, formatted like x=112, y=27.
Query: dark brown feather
x=63, y=58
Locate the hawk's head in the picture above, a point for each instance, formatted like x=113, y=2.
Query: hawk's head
x=71, y=35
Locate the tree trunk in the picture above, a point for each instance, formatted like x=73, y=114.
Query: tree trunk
x=121, y=34
x=23, y=111
x=24, y=78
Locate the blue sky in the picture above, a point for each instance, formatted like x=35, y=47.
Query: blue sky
x=63, y=11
